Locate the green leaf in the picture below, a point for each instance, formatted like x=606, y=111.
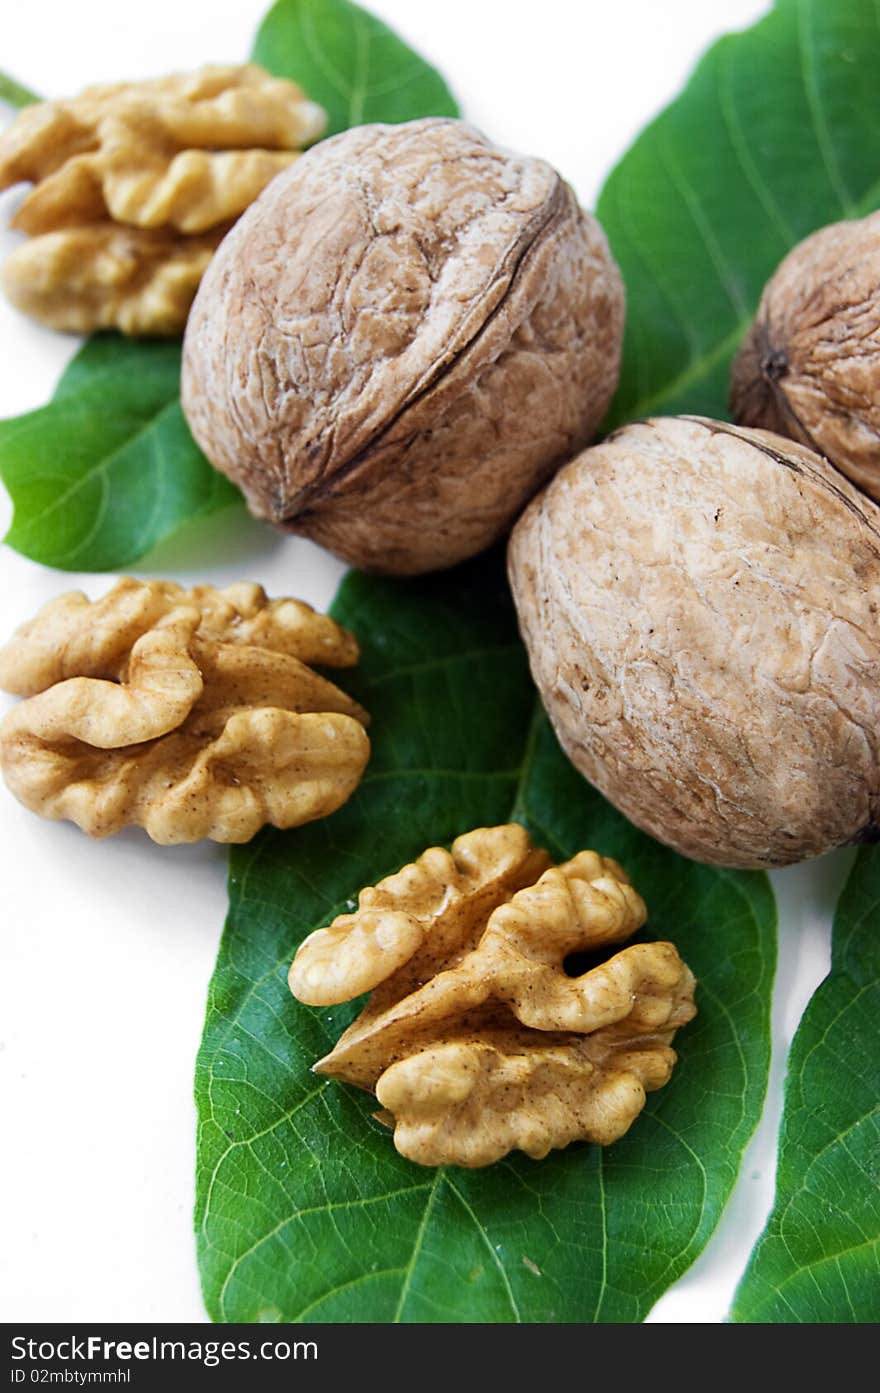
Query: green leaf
x=304, y=1210
x=109, y=467
x=351, y=63
x=818, y=1260
x=14, y=94
x=776, y=134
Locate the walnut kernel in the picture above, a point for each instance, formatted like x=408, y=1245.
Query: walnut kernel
x=134, y=186
x=83, y=279
x=191, y=713
x=475, y=1040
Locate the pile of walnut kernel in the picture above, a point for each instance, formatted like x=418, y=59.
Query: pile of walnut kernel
x=403, y=349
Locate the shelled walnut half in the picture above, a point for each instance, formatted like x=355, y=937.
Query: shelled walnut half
x=476, y=1040
x=134, y=185
x=191, y=713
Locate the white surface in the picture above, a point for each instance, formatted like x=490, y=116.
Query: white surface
x=107, y=948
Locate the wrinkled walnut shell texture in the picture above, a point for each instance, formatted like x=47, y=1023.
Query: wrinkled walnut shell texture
x=809, y=367
x=699, y=603
x=475, y=1039
x=400, y=340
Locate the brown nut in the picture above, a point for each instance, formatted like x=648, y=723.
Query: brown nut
x=700, y=606
x=191, y=713
x=475, y=1039
x=134, y=186
x=401, y=340
x=809, y=367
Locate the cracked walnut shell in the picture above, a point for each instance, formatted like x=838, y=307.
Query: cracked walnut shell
x=475, y=1040
x=399, y=342
x=809, y=366
x=700, y=607
x=135, y=185
x=191, y=713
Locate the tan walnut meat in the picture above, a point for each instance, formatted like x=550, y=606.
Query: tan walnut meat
x=174, y=161
x=109, y=277
x=700, y=606
x=191, y=713
x=400, y=340
x=809, y=366
x=475, y=1040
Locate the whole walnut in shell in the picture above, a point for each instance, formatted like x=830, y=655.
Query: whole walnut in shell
x=810, y=364
x=400, y=340
x=700, y=606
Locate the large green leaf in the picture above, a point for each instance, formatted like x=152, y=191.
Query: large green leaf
x=818, y=1260
x=109, y=467
x=776, y=134
x=350, y=62
x=305, y=1211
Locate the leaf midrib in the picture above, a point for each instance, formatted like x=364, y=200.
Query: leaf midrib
x=334, y=79
x=417, y=1244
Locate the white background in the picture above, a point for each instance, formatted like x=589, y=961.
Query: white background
x=107, y=947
